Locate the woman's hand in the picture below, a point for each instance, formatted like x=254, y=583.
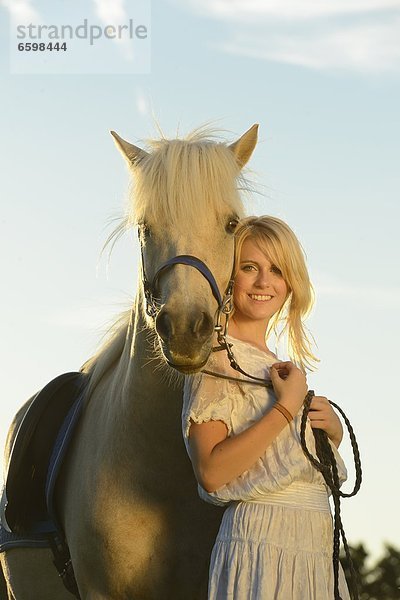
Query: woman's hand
x=290, y=385
x=322, y=416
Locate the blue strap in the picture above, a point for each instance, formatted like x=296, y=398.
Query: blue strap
x=191, y=261
x=61, y=446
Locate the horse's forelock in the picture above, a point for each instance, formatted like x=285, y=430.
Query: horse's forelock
x=183, y=181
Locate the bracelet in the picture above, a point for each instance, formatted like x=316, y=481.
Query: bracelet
x=284, y=411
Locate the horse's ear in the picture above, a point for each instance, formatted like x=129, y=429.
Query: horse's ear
x=133, y=154
x=244, y=146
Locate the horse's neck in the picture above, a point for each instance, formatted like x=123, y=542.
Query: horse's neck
x=150, y=405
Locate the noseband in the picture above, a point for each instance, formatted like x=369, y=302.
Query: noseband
x=225, y=302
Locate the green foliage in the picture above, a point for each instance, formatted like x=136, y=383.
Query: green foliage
x=381, y=581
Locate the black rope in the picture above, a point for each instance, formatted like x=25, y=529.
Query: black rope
x=262, y=383
x=327, y=466
x=224, y=345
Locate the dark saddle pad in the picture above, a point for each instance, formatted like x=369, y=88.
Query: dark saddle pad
x=23, y=501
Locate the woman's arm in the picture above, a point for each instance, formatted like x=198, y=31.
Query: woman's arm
x=218, y=459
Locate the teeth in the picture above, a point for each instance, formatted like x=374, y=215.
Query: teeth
x=259, y=297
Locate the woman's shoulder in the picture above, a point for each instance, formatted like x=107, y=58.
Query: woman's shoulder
x=246, y=348
x=210, y=394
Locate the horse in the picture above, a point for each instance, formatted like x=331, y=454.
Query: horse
x=126, y=495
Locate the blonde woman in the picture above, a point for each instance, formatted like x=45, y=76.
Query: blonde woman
x=275, y=540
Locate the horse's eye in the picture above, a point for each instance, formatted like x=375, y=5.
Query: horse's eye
x=231, y=225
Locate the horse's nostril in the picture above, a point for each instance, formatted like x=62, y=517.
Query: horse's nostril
x=164, y=325
x=203, y=326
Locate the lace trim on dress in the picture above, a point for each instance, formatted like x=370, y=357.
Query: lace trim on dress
x=216, y=411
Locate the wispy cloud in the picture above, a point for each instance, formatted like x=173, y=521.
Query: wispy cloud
x=362, y=48
x=113, y=12
x=253, y=10
x=21, y=11
x=142, y=103
x=110, y=12
x=362, y=35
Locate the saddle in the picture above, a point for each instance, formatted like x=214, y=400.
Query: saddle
x=39, y=446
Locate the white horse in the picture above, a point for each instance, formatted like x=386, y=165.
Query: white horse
x=126, y=496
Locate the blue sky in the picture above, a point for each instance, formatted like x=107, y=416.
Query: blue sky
x=322, y=79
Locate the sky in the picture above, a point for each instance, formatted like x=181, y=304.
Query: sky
x=323, y=82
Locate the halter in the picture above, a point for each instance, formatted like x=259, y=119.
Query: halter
x=225, y=305
x=225, y=302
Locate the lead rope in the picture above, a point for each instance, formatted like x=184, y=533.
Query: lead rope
x=326, y=464
x=225, y=345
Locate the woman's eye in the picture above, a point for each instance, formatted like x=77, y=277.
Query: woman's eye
x=248, y=268
x=231, y=225
x=276, y=270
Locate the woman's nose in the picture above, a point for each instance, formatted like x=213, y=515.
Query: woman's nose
x=263, y=279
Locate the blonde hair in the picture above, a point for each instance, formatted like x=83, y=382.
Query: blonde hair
x=278, y=242
x=182, y=180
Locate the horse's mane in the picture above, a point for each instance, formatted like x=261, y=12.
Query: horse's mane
x=180, y=182
x=109, y=352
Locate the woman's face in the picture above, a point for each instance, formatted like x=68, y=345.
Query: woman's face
x=260, y=290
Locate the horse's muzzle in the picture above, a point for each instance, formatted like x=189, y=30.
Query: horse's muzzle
x=193, y=330
x=185, y=340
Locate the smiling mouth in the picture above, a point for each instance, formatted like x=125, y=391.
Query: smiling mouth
x=260, y=297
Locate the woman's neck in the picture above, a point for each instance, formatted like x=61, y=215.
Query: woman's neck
x=253, y=332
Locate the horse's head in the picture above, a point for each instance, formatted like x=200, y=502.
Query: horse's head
x=186, y=202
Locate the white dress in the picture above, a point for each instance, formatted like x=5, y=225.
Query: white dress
x=276, y=537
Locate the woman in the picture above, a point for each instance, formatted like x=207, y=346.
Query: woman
x=275, y=539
